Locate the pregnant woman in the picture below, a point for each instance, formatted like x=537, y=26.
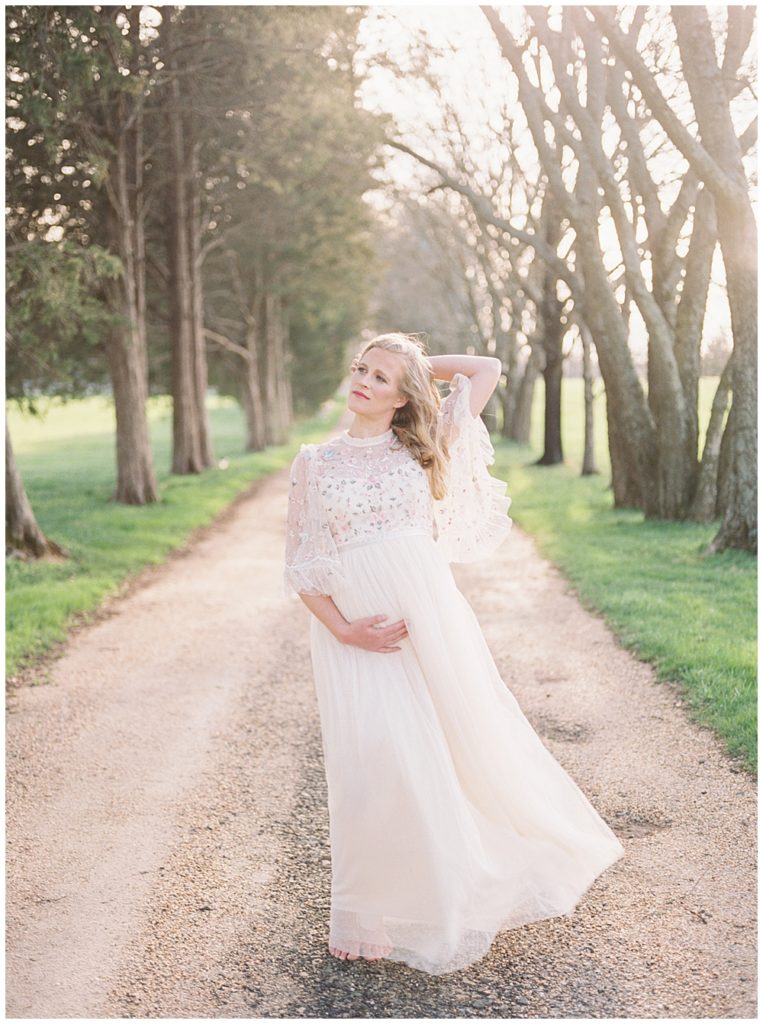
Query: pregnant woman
x=450, y=821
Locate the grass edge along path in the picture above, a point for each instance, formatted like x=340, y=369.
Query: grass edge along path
x=692, y=617
x=111, y=544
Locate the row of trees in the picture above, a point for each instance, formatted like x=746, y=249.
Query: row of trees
x=184, y=207
x=639, y=167
x=476, y=298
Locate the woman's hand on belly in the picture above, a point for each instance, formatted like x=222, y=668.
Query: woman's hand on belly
x=365, y=633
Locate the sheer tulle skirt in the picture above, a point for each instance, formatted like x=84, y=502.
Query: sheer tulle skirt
x=449, y=819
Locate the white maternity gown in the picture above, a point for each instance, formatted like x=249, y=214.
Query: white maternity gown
x=449, y=819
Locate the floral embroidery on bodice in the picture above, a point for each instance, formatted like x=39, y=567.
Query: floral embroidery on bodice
x=357, y=490
x=371, y=487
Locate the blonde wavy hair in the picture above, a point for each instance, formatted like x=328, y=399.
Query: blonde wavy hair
x=417, y=423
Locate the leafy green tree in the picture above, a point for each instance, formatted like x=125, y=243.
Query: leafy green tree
x=292, y=234
x=76, y=89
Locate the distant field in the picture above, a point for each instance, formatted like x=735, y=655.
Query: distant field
x=68, y=463
x=692, y=617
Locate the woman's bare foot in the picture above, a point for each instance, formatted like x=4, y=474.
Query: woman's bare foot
x=341, y=954
x=374, y=953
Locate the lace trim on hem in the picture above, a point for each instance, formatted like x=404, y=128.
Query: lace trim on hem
x=365, y=933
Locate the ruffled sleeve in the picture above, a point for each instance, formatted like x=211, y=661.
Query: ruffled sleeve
x=311, y=564
x=471, y=520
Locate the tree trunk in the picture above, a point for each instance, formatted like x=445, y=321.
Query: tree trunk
x=689, y=324
x=251, y=388
x=521, y=420
x=186, y=434
x=626, y=484
x=197, y=308
x=552, y=413
x=738, y=237
x=703, y=508
x=739, y=528
x=505, y=349
x=269, y=391
x=126, y=349
x=283, y=412
x=724, y=464
x=508, y=396
x=553, y=333
x=23, y=536
x=589, y=455
x=675, y=464
x=276, y=430
x=630, y=427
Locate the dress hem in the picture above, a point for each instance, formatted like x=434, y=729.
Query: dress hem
x=477, y=940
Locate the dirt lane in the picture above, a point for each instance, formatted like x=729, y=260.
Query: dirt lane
x=167, y=833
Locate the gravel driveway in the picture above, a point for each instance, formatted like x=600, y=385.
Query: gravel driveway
x=167, y=832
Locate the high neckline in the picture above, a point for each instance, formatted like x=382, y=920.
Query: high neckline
x=374, y=439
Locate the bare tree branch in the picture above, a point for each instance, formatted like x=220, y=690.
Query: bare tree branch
x=226, y=343
x=706, y=167
x=485, y=211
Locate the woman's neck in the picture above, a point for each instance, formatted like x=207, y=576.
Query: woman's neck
x=362, y=428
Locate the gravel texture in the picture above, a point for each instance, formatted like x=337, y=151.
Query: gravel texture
x=167, y=832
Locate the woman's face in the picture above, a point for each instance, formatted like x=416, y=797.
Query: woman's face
x=374, y=383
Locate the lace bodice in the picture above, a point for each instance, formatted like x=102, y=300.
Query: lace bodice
x=371, y=486
x=351, y=490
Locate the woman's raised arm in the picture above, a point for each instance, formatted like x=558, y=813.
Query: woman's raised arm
x=484, y=373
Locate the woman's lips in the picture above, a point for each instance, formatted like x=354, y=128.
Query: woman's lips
x=360, y=394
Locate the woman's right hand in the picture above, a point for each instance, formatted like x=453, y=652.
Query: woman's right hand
x=366, y=633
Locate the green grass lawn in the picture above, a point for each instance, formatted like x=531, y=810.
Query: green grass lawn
x=693, y=617
x=67, y=460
